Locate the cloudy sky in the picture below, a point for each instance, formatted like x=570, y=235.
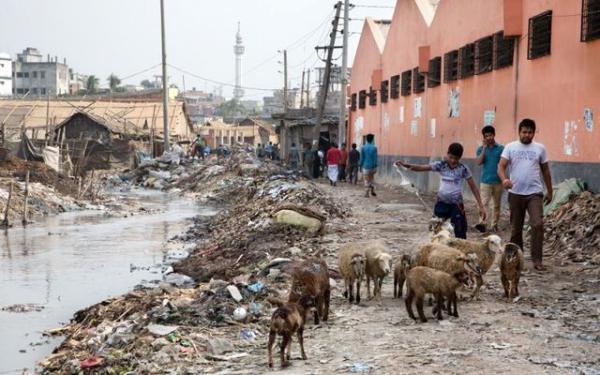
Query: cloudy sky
x=101, y=37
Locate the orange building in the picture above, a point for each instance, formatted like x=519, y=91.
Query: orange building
x=444, y=69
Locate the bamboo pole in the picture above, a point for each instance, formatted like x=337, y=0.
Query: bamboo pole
x=5, y=222
x=26, y=206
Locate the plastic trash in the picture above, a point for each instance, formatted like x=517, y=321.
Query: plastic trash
x=256, y=287
x=247, y=335
x=91, y=362
x=360, y=367
x=240, y=314
x=255, y=308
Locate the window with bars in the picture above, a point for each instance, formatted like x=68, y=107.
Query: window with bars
x=540, y=35
x=353, y=102
x=467, y=60
x=504, y=50
x=451, y=66
x=362, y=99
x=372, y=96
x=484, y=55
x=406, y=83
x=395, y=87
x=434, y=77
x=590, y=20
x=385, y=91
x=418, y=81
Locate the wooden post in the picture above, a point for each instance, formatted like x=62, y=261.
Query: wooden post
x=5, y=223
x=78, y=187
x=25, y=221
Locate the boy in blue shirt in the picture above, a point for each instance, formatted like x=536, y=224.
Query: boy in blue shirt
x=488, y=156
x=450, y=204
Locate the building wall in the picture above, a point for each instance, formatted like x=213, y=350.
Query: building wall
x=554, y=90
x=5, y=75
x=41, y=78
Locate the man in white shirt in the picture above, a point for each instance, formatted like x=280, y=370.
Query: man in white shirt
x=528, y=163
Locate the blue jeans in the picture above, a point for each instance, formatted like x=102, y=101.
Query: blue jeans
x=456, y=213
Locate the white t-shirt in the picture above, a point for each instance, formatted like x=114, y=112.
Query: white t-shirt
x=525, y=166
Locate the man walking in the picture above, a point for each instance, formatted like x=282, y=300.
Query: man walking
x=528, y=160
x=368, y=164
x=488, y=156
x=307, y=160
x=342, y=165
x=293, y=157
x=333, y=161
x=353, y=160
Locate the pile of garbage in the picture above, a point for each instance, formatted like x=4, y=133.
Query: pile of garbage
x=572, y=231
x=154, y=330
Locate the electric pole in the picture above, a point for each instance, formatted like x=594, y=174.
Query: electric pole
x=327, y=76
x=302, y=90
x=164, y=77
x=285, y=82
x=308, y=89
x=344, y=77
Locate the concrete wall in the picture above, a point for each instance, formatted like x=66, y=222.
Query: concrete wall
x=554, y=90
x=5, y=75
x=42, y=78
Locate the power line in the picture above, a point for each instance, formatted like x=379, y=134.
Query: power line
x=218, y=82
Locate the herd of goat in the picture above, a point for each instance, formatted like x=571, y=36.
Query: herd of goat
x=438, y=268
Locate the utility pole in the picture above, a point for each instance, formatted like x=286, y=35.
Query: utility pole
x=164, y=77
x=302, y=90
x=344, y=77
x=285, y=82
x=308, y=89
x=327, y=76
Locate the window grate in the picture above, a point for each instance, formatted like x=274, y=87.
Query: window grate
x=395, y=87
x=372, y=96
x=353, y=102
x=590, y=20
x=451, y=66
x=418, y=81
x=467, y=60
x=540, y=35
x=504, y=50
x=406, y=83
x=362, y=99
x=385, y=91
x=484, y=55
x=434, y=77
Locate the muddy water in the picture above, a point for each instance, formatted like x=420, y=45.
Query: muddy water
x=67, y=262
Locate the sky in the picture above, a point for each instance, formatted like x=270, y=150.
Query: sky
x=101, y=37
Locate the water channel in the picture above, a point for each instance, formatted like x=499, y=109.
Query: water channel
x=67, y=262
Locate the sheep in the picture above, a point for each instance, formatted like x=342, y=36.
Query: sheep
x=421, y=280
x=379, y=265
x=447, y=259
x=311, y=277
x=403, y=265
x=486, y=254
x=438, y=224
x=286, y=320
x=511, y=266
x=351, y=264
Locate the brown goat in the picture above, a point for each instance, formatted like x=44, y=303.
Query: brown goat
x=511, y=266
x=288, y=319
x=311, y=278
x=422, y=280
x=403, y=265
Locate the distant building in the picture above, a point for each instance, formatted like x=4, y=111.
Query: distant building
x=201, y=105
x=35, y=77
x=5, y=75
x=77, y=82
x=274, y=104
x=251, y=106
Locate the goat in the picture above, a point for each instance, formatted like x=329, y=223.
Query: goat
x=311, y=278
x=286, y=320
x=403, y=265
x=511, y=266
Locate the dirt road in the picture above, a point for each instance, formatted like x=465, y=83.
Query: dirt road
x=552, y=329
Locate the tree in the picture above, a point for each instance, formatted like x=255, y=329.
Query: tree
x=146, y=84
x=92, y=84
x=113, y=82
x=231, y=108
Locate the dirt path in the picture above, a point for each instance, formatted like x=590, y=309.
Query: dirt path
x=553, y=329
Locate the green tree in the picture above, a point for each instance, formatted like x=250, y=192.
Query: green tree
x=231, y=108
x=113, y=82
x=147, y=84
x=92, y=84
